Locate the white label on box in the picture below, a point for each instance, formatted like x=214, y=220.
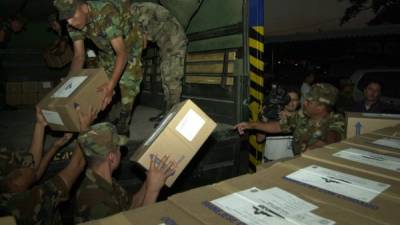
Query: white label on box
x=159, y=129
x=354, y=187
x=388, y=142
x=46, y=84
x=190, y=125
x=52, y=117
x=69, y=87
x=271, y=206
x=370, y=158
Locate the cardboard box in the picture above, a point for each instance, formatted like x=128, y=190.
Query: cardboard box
x=45, y=87
x=359, y=159
x=360, y=123
x=78, y=89
x=14, y=99
x=393, y=131
x=201, y=203
x=371, y=141
x=13, y=87
x=179, y=135
x=154, y=214
x=30, y=86
x=30, y=98
x=7, y=220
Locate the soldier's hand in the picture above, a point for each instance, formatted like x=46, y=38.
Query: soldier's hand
x=86, y=118
x=108, y=93
x=159, y=171
x=241, y=127
x=62, y=141
x=40, y=118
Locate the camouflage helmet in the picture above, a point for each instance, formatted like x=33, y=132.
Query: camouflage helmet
x=323, y=93
x=101, y=139
x=67, y=8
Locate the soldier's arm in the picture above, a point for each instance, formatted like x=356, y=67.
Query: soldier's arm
x=118, y=45
x=331, y=137
x=268, y=127
x=36, y=147
x=79, y=56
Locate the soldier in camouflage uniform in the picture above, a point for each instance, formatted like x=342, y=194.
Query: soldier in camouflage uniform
x=99, y=194
x=39, y=204
x=313, y=127
x=110, y=26
x=161, y=27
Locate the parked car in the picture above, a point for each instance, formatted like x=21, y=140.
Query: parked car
x=389, y=78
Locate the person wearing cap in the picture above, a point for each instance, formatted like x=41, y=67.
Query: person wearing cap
x=99, y=195
x=39, y=205
x=120, y=30
x=313, y=127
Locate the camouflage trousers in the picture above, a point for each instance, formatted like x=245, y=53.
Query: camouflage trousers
x=130, y=80
x=172, y=44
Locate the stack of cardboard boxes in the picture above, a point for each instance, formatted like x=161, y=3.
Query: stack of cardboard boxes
x=352, y=182
x=27, y=92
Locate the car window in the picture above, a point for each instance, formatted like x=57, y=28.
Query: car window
x=389, y=80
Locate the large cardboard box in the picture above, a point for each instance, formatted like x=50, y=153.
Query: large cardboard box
x=154, y=214
x=382, y=144
x=228, y=202
x=372, y=197
x=360, y=123
x=179, y=135
x=359, y=159
x=77, y=89
x=393, y=131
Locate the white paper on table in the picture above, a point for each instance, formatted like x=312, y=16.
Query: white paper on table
x=388, y=142
x=190, y=125
x=52, y=117
x=69, y=87
x=370, y=158
x=354, y=187
x=272, y=206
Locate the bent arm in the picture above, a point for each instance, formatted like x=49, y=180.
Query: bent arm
x=120, y=61
x=70, y=173
x=79, y=56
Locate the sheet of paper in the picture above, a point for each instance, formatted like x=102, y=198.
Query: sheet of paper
x=354, y=187
x=52, y=117
x=272, y=206
x=370, y=158
x=388, y=142
x=69, y=87
x=190, y=125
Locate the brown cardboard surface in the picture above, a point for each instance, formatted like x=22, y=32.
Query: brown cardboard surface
x=154, y=214
x=13, y=87
x=326, y=155
x=7, y=220
x=166, y=140
x=393, y=131
x=368, y=122
x=382, y=209
x=196, y=201
x=59, y=107
x=366, y=141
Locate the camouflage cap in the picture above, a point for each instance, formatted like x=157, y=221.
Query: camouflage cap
x=100, y=139
x=66, y=8
x=323, y=93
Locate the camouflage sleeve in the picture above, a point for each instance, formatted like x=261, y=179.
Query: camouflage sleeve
x=113, y=23
x=337, y=125
x=288, y=124
x=75, y=34
x=10, y=160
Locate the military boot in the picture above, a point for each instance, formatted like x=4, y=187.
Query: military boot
x=123, y=123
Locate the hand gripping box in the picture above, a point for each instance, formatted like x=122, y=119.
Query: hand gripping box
x=180, y=135
x=77, y=89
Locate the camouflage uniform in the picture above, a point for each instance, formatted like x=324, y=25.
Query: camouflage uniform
x=108, y=20
x=307, y=132
x=162, y=27
x=11, y=160
x=96, y=197
x=38, y=205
